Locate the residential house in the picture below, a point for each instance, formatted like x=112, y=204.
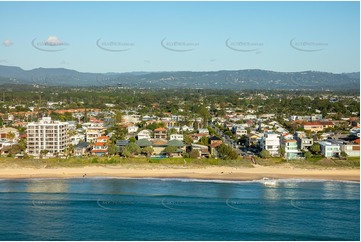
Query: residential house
x=330, y=148
x=5, y=146
x=176, y=137
x=144, y=134
x=132, y=129
x=252, y=140
x=176, y=128
x=214, y=143
x=239, y=130
x=286, y=136
x=9, y=133
x=93, y=132
x=159, y=145
x=271, y=142
x=202, y=150
x=76, y=139
x=303, y=142
x=351, y=148
x=180, y=148
x=291, y=149
x=121, y=144
x=203, y=131
x=131, y=119
x=160, y=133
x=142, y=143
x=317, y=126
x=81, y=149
x=355, y=132
x=197, y=137
x=100, y=147
x=187, y=128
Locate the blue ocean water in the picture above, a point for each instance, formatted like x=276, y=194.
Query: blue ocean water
x=178, y=209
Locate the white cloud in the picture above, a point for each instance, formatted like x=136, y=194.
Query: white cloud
x=8, y=42
x=53, y=40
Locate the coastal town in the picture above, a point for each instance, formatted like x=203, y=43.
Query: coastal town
x=216, y=130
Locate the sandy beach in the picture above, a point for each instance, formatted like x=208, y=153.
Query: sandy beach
x=223, y=173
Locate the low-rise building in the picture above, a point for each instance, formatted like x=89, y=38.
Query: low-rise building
x=100, y=147
x=351, y=149
x=176, y=137
x=160, y=133
x=203, y=131
x=317, y=126
x=291, y=150
x=330, y=148
x=239, y=130
x=132, y=129
x=270, y=142
x=144, y=134
x=81, y=149
x=9, y=133
x=303, y=142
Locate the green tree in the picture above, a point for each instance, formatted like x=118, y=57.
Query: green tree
x=343, y=154
x=43, y=152
x=265, y=154
x=282, y=151
x=148, y=151
x=112, y=149
x=226, y=152
x=204, y=141
x=132, y=140
x=187, y=140
x=315, y=148
x=22, y=144
x=307, y=154
x=118, y=117
x=194, y=154
x=131, y=149
x=170, y=149
x=15, y=149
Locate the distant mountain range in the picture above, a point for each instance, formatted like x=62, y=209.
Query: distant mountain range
x=235, y=80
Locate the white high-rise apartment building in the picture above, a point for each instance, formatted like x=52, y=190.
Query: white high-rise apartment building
x=48, y=135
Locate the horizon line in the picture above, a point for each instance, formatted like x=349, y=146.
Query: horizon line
x=109, y=72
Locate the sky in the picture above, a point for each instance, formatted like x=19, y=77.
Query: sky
x=181, y=36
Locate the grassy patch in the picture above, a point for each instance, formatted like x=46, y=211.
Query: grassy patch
x=270, y=161
x=314, y=162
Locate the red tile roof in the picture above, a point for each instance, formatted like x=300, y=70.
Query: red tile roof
x=291, y=140
x=160, y=130
x=318, y=123
x=103, y=137
x=99, y=144
x=214, y=145
x=99, y=151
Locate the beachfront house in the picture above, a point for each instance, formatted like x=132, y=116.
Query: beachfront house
x=330, y=148
x=271, y=142
x=291, y=150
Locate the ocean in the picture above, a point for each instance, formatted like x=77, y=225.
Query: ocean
x=178, y=209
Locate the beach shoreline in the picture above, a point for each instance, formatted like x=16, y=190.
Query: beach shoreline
x=205, y=173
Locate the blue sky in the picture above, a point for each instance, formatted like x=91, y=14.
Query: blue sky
x=181, y=36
